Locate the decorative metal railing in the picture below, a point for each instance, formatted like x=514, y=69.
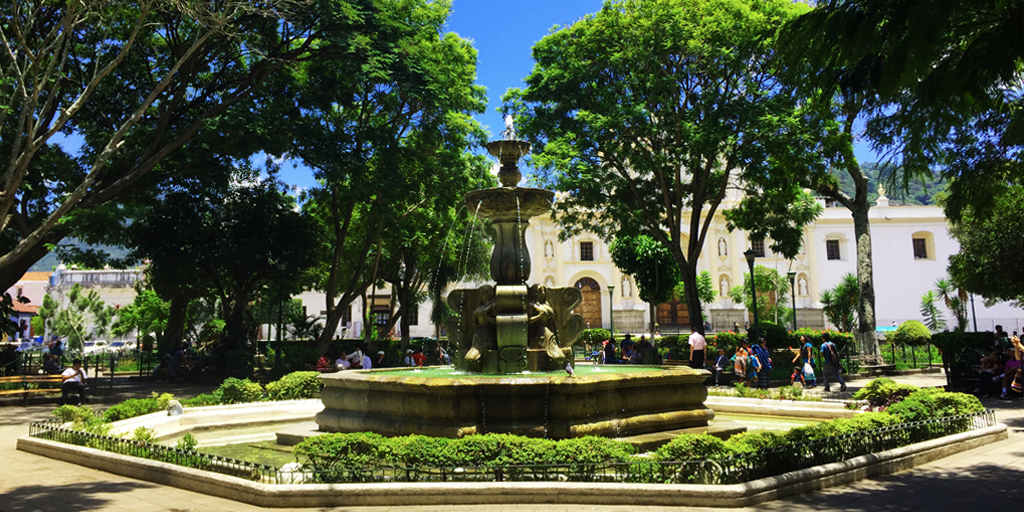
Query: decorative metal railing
x=739, y=468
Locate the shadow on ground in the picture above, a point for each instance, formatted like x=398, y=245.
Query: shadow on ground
x=934, y=490
x=81, y=496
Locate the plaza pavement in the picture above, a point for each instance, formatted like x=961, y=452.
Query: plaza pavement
x=986, y=478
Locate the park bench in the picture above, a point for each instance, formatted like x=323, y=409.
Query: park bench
x=29, y=385
x=874, y=365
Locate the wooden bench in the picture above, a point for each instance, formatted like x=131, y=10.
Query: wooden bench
x=41, y=383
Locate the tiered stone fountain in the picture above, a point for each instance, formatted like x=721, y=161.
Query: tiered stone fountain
x=514, y=344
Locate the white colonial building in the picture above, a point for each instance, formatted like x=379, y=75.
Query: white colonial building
x=911, y=246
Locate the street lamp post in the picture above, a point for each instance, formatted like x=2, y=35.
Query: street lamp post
x=279, y=353
x=792, y=292
x=750, y=255
x=611, y=316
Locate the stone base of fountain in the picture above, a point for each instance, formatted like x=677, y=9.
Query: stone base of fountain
x=612, y=405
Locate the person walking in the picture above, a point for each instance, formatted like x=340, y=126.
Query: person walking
x=765, y=360
x=830, y=357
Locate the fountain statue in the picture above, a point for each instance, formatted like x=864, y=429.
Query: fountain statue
x=511, y=327
x=516, y=370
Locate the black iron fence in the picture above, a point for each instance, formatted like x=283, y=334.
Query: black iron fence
x=55, y=431
x=738, y=468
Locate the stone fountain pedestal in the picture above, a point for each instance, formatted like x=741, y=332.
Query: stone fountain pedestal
x=612, y=404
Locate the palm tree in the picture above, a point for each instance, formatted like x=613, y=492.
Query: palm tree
x=840, y=303
x=955, y=298
x=933, y=317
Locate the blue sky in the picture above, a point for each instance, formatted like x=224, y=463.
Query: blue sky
x=504, y=32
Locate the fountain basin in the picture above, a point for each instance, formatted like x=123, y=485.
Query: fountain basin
x=537, y=405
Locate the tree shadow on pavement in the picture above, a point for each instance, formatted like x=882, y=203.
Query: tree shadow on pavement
x=80, y=496
x=932, y=489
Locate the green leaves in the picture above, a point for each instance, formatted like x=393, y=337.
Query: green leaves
x=647, y=111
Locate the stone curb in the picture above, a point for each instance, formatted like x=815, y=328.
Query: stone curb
x=438, y=493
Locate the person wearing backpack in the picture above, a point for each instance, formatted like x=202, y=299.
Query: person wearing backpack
x=831, y=356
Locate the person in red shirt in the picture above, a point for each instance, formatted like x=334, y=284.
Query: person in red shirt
x=419, y=358
x=323, y=364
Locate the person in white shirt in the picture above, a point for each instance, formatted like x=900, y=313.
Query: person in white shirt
x=342, y=362
x=408, y=358
x=73, y=381
x=697, y=346
x=367, y=363
x=356, y=357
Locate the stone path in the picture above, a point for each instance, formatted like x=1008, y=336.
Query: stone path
x=986, y=478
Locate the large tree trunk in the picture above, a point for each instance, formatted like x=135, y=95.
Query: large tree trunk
x=693, y=306
x=865, y=277
x=175, y=331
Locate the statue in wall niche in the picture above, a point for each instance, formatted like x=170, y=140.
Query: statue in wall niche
x=485, y=338
x=802, y=284
x=542, y=324
x=723, y=286
x=549, y=249
x=723, y=248
x=627, y=288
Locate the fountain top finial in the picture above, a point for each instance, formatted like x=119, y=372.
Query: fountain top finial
x=510, y=130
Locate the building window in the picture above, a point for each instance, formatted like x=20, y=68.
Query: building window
x=758, y=247
x=381, y=315
x=586, y=251
x=414, y=315
x=920, y=249
x=346, y=316
x=832, y=249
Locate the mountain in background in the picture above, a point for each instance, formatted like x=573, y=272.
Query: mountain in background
x=920, y=192
x=54, y=258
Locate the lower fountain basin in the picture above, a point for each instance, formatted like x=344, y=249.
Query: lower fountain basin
x=538, y=405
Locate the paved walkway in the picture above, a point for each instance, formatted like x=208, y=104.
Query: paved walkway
x=986, y=478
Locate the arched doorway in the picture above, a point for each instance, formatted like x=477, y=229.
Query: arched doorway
x=590, y=309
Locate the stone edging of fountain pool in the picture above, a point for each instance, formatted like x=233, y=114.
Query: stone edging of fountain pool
x=395, y=494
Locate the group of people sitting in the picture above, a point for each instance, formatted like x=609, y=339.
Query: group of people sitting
x=1001, y=369
x=355, y=360
x=632, y=352
x=358, y=360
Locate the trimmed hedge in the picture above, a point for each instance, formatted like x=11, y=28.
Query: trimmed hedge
x=294, y=386
x=594, y=336
x=913, y=333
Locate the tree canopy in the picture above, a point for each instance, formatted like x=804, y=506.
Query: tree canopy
x=648, y=112
x=990, y=259
x=946, y=85
x=135, y=82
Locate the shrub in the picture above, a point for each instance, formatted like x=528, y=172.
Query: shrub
x=790, y=393
x=912, y=332
x=883, y=392
x=960, y=351
x=131, y=408
x=915, y=407
x=345, y=455
x=188, y=442
x=591, y=450
x=297, y=356
x=238, y=391
x=145, y=435
x=728, y=340
x=692, y=447
x=74, y=414
x=755, y=440
x=776, y=335
x=162, y=400
x=417, y=451
x=202, y=400
x=594, y=336
x=293, y=386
